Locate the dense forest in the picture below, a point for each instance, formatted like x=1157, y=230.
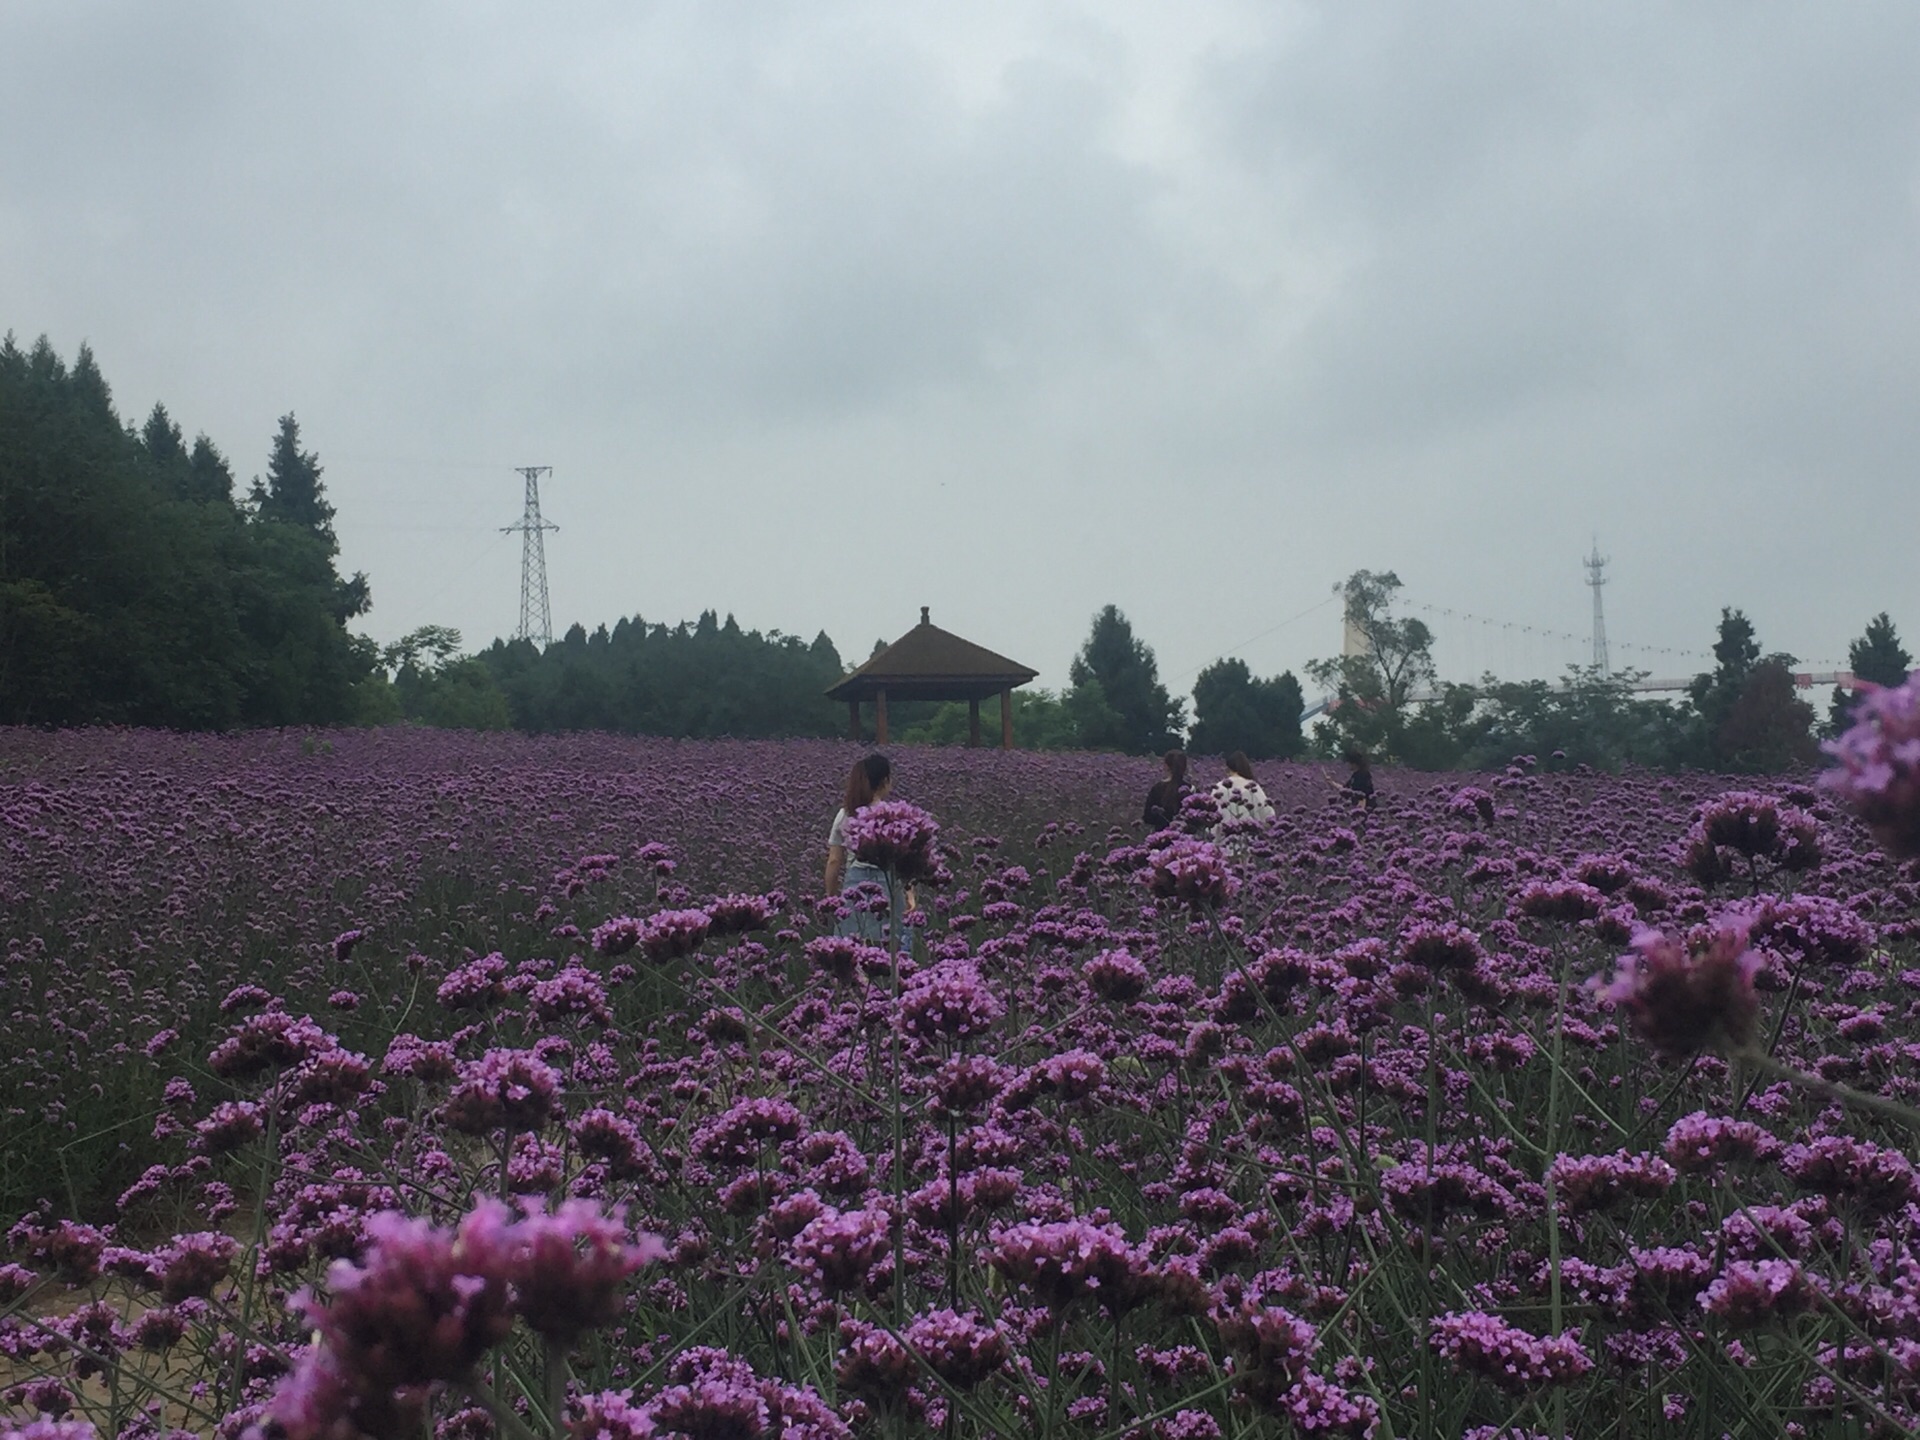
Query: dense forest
x=138, y=587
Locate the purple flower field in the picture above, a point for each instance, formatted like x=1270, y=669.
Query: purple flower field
x=412, y=1083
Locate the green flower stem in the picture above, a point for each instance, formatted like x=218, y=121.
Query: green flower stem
x=1890, y=1109
x=510, y=1424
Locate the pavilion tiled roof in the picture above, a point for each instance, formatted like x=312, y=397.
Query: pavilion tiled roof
x=928, y=663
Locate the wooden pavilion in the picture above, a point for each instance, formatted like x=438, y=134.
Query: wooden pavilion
x=928, y=663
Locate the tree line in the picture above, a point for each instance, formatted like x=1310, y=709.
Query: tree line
x=1745, y=716
x=137, y=587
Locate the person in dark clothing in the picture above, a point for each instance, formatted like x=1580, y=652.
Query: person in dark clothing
x=1163, y=800
x=1359, y=786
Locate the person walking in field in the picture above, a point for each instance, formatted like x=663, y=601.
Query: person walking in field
x=869, y=780
x=1239, y=797
x=1359, y=787
x=1163, y=800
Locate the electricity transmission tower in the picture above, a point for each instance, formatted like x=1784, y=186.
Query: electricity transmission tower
x=1596, y=566
x=536, y=624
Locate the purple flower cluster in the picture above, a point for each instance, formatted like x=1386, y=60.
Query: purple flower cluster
x=1879, y=766
x=898, y=837
x=1682, y=1001
x=427, y=1303
x=1194, y=872
x=1145, y=1137
x=1514, y=1359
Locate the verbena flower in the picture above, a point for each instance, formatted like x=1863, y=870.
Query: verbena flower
x=1598, y=1182
x=837, y=1249
x=895, y=836
x=1514, y=1359
x=1751, y=1292
x=1115, y=975
x=190, y=1265
x=510, y=1090
x=1315, y=1406
x=1681, y=1002
x=569, y=1267
x=1069, y=1260
x=1192, y=871
x=1701, y=1142
x=1879, y=766
x=951, y=1001
x=673, y=933
x=423, y=1307
x=1756, y=826
x=962, y=1349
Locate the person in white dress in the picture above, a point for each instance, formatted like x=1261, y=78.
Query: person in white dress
x=1239, y=798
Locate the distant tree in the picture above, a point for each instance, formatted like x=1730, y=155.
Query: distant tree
x=700, y=679
x=1737, y=650
x=1714, y=693
x=1139, y=716
x=1397, y=655
x=1878, y=657
x=1368, y=690
x=210, y=478
x=1590, y=718
x=1042, y=720
x=1768, y=727
x=1233, y=710
x=292, y=492
x=423, y=650
x=133, y=590
x=161, y=438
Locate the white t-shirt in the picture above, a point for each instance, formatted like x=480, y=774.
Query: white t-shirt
x=1239, y=798
x=837, y=832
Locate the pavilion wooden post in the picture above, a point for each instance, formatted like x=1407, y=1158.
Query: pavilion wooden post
x=853, y=720
x=1006, y=718
x=973, y=723
x=880, y=717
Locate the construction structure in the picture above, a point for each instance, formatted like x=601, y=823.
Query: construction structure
x=536, y=621
x=1596, y=577
x=928, y=663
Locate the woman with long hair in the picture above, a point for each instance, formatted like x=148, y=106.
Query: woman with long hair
x=1163, y=800
x=1239, y=796
x=871, y=779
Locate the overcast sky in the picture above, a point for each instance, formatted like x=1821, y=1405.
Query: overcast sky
x=824, y=312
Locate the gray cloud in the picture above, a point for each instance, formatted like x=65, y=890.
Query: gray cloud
x=822, y=313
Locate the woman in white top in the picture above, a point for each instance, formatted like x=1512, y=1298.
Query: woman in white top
x=870, y=780
x=1239, y=797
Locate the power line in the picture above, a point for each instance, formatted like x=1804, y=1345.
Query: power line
x=1270, y=630
x=1547, y=631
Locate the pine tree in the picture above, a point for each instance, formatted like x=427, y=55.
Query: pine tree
x=1713, y=693
x=1146, y=718
x=1877, y=657
x=210, y=477
x=163, y=441
x=293, y=494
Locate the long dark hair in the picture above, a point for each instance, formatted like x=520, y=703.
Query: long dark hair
x=1238, y=763
x=1176, y=762
x=863, y=780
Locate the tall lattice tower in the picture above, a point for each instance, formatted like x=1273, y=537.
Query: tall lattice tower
x=536, y=623
x=1596, y=577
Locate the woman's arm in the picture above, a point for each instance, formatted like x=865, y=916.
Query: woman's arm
x=836, y=867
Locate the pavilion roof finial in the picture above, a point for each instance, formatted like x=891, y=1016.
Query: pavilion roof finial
x=923, y=615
